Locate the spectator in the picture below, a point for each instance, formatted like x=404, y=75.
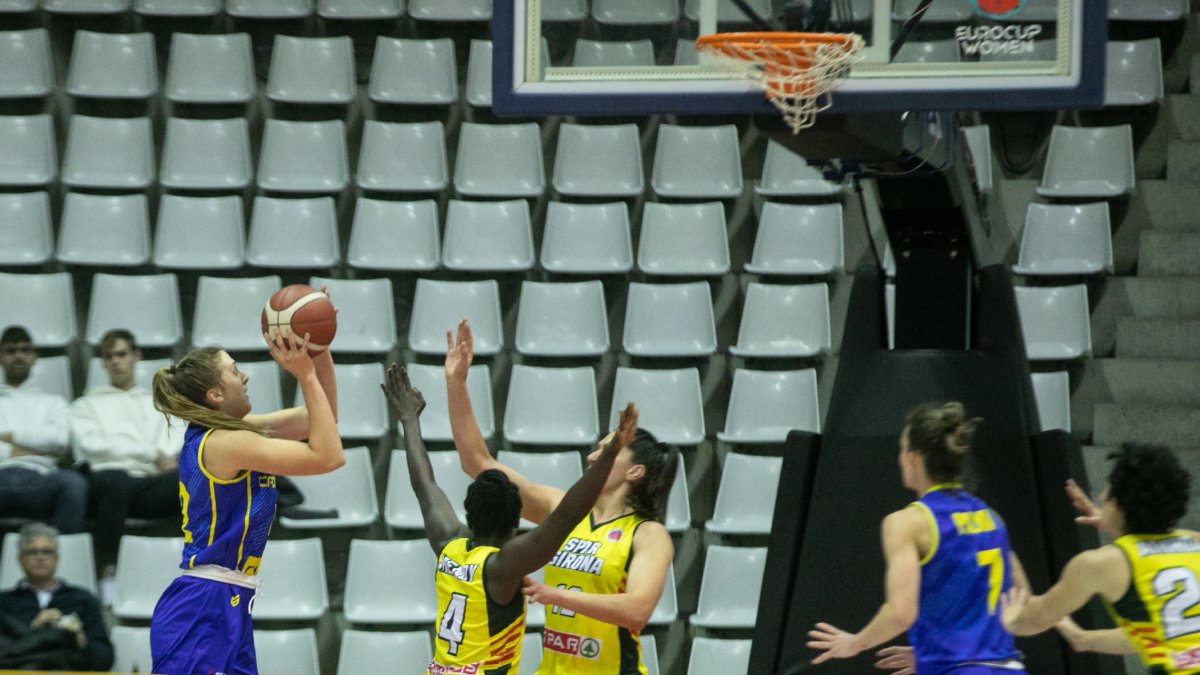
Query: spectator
x=134, y=464
x=33, y=440
x=41, y=600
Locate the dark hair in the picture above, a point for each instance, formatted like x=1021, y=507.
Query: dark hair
x=648, y=496
x=110, y=338
x=943, y=435
x=15, y=334
x=181, y=390
x=1151, y=487
x=493, y=505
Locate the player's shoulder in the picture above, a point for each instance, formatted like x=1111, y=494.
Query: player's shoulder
x=651, y=533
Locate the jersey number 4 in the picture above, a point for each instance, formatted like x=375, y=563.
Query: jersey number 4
x=1179, y=615
x=450, y=628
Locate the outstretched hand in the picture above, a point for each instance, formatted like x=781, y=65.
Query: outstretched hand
x=1089, y=514
x=626, y=430
x=898, y=659
x=834, y=642
x=290, y=352
x=405, y=399
x=459, y=352
x=1012, y=604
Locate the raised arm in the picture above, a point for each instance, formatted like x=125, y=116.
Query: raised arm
x=537, y=501
x=1102, y=641
x=1103, y=570
x=441, y=522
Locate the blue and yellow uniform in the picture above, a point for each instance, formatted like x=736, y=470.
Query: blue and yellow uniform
x=1159, y=612
x=958, y=630
x=201, y=623
x=474, y=634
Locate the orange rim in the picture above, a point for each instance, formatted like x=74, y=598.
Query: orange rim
x=756, y=42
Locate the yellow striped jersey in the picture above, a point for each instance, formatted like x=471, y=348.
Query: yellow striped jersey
x=1161, y=611
x=473, y=634
x=593, y=559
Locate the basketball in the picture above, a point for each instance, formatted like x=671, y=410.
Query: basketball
x=305, y=310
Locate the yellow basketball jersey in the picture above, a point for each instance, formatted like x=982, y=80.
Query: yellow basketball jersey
x=593, y=559
x=1161, y=612
x=473, y=634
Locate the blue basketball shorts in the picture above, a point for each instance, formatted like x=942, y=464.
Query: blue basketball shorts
x=202, y=627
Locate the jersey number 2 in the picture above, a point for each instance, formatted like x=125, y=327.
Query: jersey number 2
x=1181, y=584
x=993, y=559
x=450, y=627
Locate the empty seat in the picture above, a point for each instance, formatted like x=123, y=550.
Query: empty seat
x=380, y=584
x=1088, y=162
x=784, y=322
x=362, y=412
x=287, y=652
x=388, y=235
x=268, y=9
x=649, y=654
x=414, y=72
x=531, y=648
x=1054, y=322
x=435, y=420
x=26, y=63
x=798, y=239
x=293, y=580
x=786, y=174
x=667, y=608
x=366, y=314
x=602, y=54
x=669, y=320
x=556, y=469
x=349, y=489
x=1066, y=239
x=697, y=162
x=551, y=406
x=438, y=306
x=76, y=565
x=711, y=656
x=727, y=11
x=210, y=69
x=1052, y=392
x=598, y=161
x=145, y=567
x=145, y=305
x=304, y=157
x=177, y=8
x=143, y=372
x=978, y=139
x=263, y=389
x=206, y=154
x=562, y=319
x=131, y=648
x=112, y=65
x=635, y=12
x=670, y=403
x=684, y=240
x=679, y=507
x=403, y=157
x=730, y=587
x=376, y=653
x=1133, y=73
x=488, y=236
x=25, y=230
x=85, y=6
x=43, y=303
x=401, y=509
x=1147, y=10
x=104, y=230
x=933, y=51
x=499, y=160
x=450, y=10
x=312, y=70
x=293, y=233
x=200, y=233
x=227, y=311
x=52, y=374
x=27, y=150
x=746, y=497
x=109, y=153
x=764, y=405
x=479, y=73
x=360, y=9
x=587, y=239
x=563, y=11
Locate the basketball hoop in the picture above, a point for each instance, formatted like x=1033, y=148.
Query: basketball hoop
x=796, y=71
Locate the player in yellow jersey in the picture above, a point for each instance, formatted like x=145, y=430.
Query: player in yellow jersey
x=480, y=567
x=1149, y=577
x=604, y=582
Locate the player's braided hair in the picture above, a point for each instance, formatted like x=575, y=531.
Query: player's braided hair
x=180, y=391
x=1151, y=487
x=943, y=436
x=493, y=505
x=648, y=496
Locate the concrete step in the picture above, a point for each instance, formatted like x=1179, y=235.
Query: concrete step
x=1158, y=338
x=1163, y=254
x=1184, y=112
x=1151, y=297
x=1183, y=161
x=1175, y=426
x=1170, y=204
x=1137, y=381
x=1195, y=72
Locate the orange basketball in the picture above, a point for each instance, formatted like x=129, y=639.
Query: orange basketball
x=305, y=310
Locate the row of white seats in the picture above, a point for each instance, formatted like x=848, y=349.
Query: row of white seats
x=429, y=10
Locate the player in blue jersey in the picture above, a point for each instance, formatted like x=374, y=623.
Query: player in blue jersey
x=948, y=562
x=227, y=470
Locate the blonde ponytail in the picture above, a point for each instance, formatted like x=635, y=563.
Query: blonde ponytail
x=180, y=390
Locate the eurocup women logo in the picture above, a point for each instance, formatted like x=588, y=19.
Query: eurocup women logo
x=998, y=9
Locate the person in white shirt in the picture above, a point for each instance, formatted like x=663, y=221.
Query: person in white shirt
x=133, y=460
x=33, y=441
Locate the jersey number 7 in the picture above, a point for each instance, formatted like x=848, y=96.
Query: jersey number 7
x=450, y=627
x=993, y=559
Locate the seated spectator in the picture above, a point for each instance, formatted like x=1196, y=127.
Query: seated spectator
x=33, y=441
x=134, y=462
x=42, y=601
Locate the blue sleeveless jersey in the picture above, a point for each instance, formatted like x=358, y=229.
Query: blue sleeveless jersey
x=225, y=522
x=962, y=577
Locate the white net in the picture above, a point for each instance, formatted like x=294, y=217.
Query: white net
x=797, y=75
